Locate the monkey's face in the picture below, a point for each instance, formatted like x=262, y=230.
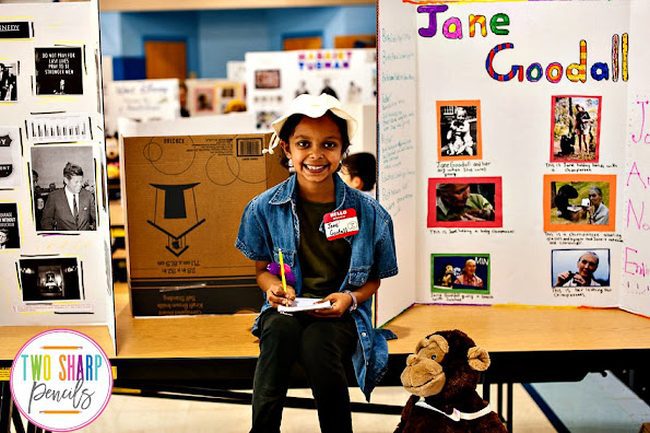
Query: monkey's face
x=444, y=364
x=423, y=375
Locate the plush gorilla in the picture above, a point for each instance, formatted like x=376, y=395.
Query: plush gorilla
x=442, y=375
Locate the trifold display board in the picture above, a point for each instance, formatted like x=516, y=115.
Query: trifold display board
x=207, y=97
x=514, y=152
x=274, y=78
x=142, y=100
x=55, y=256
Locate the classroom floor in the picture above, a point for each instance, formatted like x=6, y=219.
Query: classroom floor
x=596, y=404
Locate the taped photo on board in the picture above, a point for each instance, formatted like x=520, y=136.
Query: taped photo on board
x=58, y=128
x=460, y=273
x=264, y=118
x=579, y=202
x=50, y=279
x=459, y=130
x=8, y=81
x=267, y=79
x=575, y=128
x=59, y=71
x=580, y=268
x=470, y=202
x=205, y=98
x=68, y=202
x=10, y=159
x=9, y=230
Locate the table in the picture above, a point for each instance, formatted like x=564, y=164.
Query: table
x=215, y=354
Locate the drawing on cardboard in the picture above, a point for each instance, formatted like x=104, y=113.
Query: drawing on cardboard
x=173, y=218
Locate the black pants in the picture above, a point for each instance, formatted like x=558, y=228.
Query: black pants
x=323, y=347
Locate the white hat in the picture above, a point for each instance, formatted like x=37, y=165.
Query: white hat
x=314, y=107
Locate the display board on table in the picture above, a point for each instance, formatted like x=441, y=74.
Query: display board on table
x=207, y=97
x=513, y=152
x=141, y=100
x=54, y=247
x=184, y=196
x=274, y=79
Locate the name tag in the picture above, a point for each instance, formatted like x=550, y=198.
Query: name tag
x=340, y=224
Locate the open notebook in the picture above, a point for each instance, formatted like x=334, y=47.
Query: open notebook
x=304, y=304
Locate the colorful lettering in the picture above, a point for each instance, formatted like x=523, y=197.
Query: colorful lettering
x=634, y=170
x=578, y=71
x=637, y=139
x=500, y=20
x=600, y=71
x=639, y=222
x=452, y=28
x=477, y=19
x=615, y=58
x=430, y=31
x=538, y=71
x=625, y=49
x=490, y=59
x=554, y=72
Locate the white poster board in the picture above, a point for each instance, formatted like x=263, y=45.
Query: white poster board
x=56, y=266
x=142, y=100
x=274, y=79
x=396, y=157
x=207, y=97
x=520, y=170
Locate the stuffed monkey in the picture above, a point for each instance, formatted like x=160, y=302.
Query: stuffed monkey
x=442, y=375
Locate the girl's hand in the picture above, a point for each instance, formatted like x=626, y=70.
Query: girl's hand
x=277, y=296
x=341, y=303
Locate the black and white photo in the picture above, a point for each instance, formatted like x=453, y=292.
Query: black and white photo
x=9, y=231
x=459, y=130
x=68, y=202
x=8, y=82
x=49, y=279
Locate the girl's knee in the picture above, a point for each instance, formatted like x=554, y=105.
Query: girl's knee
x=280, y=326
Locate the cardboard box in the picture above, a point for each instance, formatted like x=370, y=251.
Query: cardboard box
x=184, y=197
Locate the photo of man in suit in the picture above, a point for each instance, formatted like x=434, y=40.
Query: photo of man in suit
x=71, y=208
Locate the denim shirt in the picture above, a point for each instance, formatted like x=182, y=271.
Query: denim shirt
x=270, y=222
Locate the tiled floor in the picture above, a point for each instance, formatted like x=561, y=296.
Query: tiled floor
x=596, y=405
x=127, y=414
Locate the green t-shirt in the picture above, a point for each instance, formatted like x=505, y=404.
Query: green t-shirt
x=324, y=264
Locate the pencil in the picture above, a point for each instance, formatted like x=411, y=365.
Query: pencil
x=284, y=279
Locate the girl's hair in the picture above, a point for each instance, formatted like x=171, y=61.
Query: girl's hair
x=364, y=166
x=292, y=122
